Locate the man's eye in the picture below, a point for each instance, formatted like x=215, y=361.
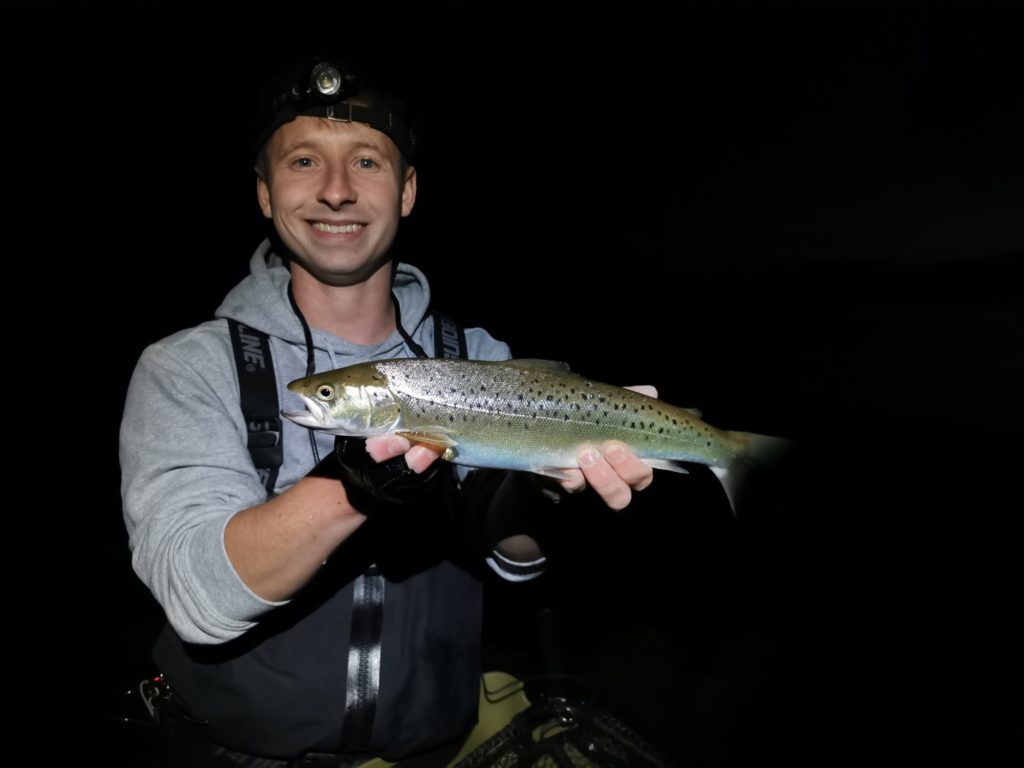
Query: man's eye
x=303, y=162
x=366, y=162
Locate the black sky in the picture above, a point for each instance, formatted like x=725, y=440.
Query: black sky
x=805, y=218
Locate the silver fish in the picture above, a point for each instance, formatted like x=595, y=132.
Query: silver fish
x=530, y=415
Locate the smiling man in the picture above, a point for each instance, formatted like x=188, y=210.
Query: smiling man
x=322, y=598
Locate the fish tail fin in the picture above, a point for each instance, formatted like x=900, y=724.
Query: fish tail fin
x=760, y=454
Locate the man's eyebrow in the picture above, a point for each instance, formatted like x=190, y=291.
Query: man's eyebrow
x=359, y=144
x=365, y=144
x=301, y=144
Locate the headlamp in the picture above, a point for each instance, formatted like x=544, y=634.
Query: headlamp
x=327, y=88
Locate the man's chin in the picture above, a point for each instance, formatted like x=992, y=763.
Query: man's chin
x=341, y=272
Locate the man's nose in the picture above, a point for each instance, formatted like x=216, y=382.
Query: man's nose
x=337, y=188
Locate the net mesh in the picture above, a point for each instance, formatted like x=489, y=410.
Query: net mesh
x=556, y=734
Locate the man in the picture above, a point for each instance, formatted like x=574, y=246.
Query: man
x=335, y=617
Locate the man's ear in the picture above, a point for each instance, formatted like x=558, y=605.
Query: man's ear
x=263, y=196
x=409, y=191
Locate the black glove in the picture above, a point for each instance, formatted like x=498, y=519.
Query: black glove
x=372, y=485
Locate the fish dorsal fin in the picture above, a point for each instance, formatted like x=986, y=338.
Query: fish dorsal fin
x=532, y=364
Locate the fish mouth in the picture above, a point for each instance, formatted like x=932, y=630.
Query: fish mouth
x=315, y=415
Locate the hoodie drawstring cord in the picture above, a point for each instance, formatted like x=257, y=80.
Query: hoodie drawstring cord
x=310, y=361
x=416, y=348
x=311, y=357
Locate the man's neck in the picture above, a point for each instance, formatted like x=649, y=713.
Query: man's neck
x=362, y=313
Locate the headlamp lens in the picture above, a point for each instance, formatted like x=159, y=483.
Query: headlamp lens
x=326, y=79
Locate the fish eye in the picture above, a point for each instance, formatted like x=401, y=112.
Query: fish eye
x=325, y=391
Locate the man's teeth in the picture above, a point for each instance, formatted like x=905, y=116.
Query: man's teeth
x=336, y=230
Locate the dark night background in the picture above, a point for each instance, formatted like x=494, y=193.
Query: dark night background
x=804, y=218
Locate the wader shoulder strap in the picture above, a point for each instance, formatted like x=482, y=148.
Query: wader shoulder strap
x=258, y=388
x=258, y=395
x=449, y=337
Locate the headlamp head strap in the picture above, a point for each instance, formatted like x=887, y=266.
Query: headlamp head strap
x=327, y=88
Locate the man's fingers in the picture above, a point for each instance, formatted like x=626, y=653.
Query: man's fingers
x=633, y=472
x=573, y=482
x=419, y=457
x=614, y=473
x=386, y=447
x=604, y=479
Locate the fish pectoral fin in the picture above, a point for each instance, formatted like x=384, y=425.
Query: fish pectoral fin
x=671, y=466
x=438, y=439
x=695, y=411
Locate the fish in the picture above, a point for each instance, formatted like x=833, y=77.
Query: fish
x=521, y=414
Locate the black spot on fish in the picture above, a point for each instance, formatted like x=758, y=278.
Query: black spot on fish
x=675, y=422
x=661, y=430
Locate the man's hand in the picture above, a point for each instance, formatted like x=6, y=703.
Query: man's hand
x=419, y=457
x=613, y=471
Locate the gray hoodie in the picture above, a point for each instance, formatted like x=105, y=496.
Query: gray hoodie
x=269, y=678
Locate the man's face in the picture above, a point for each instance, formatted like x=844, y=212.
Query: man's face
x=335, y=193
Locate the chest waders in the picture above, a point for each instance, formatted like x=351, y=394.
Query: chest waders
x=261, y=409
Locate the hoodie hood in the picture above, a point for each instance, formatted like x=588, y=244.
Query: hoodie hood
x=260, y=301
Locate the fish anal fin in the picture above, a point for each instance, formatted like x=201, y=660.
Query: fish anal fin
x=667, y=464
